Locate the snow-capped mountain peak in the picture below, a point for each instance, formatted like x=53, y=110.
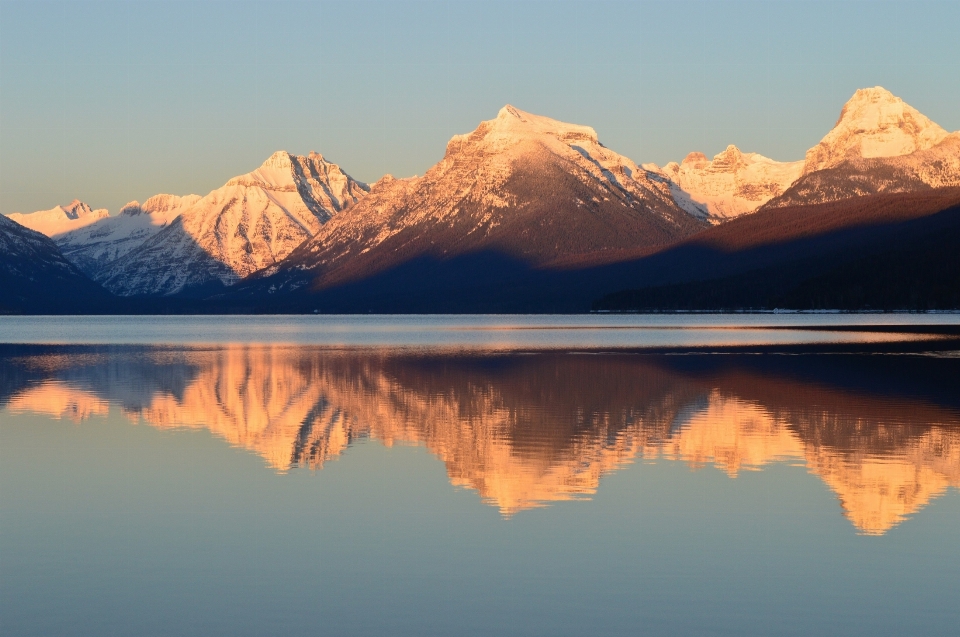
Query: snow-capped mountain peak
x=158, y=206
x=311, y=180
x=874, y=123
x=252, y=221
x=530, y=189
x=169, y=243
x=92, y=247
x=874, y=126
x=694, y=158
x=481, y=161
x=512, y=127
x=512, y=120
x=275, y=173
x=731, y=184
x=879, y=144
x=730, y=157
x=60, y=219
x=75, y=209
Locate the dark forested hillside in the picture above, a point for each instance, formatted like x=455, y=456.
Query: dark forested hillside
x=881, y=252
x=36, y=278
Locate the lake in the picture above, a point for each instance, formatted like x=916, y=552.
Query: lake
x=492, y=475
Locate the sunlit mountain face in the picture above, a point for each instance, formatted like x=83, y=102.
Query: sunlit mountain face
x=523, y=431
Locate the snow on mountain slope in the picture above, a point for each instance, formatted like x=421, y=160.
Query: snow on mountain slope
x=92, y=247
x=527, y=187
x=874, y=123
x=252, y=222
x=60, y=219
x=936, y=167
x=879, y=144
x=732, y=184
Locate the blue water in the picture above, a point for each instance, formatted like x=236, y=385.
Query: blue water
x=376, y=476
x=460, y=331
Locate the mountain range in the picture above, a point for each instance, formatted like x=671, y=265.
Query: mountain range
x=526, y=213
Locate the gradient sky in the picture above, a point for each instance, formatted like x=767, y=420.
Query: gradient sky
x=113, y=101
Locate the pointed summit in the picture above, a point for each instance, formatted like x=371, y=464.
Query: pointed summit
x=874, y=123
x=75, y=209
x=728, y=158
x=60, y=219
x=696, y=157
x=513, y=127
x=509, y=111
x=513, y=119
x=325, y=186
x=518, y=194
x=251, y=222
x=280, y=159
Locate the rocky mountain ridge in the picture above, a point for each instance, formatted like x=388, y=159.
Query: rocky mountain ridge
x=253, y=221
x=932, y=168
x=878, y=144
x=60, y=220
x=93, y=247
x=874, y=123
x=170, y=244
x=732, y=184
x=521, y=188
x=520, y=194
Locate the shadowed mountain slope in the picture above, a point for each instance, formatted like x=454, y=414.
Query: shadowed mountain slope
x=170, y=245
x=773, y=250
x=518, y=194
x=36, y=278
x=879, y=144
x=253, y=221
x=892, y=251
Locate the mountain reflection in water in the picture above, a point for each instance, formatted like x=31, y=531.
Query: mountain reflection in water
x=883, y=432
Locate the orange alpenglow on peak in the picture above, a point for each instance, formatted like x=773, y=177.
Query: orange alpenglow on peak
x=874, y=123
x=733, y=183
x=694, y=157
x=60, y=219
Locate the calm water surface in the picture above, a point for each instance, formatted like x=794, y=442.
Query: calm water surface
x=470, y=332
x=480, y=476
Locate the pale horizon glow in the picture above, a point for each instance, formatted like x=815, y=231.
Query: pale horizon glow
x=108, y=102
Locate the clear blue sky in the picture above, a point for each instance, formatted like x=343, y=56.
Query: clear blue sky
x=113, y=101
